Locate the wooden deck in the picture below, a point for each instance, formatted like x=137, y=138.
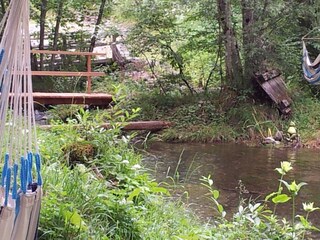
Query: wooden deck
x=95, y=99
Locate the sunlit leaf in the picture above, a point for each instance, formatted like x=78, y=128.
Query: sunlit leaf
x=270, y=196
x=134, y=194
x=279, y=170
x=216, y=194
x=304, y=221
x=160, y=190
x=282, y=198
x=220, y=208
x=75, y=219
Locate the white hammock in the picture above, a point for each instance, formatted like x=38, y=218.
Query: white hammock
x=311, y=69
x=19, y=195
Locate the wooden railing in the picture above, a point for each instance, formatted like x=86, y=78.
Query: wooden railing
x=89, y=74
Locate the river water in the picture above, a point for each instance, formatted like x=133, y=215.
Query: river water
x=185, y=164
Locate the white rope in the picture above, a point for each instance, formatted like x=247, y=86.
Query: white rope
x=17, y=122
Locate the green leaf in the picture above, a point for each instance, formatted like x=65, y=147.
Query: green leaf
x=160, y=190
x=220, y=208
x=279, y=170
x=286, y=184
x=134, y=193
x=215, y=194
x=270, y=196
x=294, y=188
x=282, y=198
x=301, y=184
x=304, y=221
x=75, y=219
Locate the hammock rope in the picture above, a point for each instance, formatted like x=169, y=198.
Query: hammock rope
x=20, y=195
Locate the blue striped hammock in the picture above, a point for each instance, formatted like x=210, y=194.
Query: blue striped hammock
x=311, y=69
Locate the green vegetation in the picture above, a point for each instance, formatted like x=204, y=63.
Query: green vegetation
x=198, y=57
x=109, y=195
x=218, y=116
x=191, y=82
x=197, y=74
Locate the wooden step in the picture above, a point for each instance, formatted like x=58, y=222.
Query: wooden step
x=96, y=99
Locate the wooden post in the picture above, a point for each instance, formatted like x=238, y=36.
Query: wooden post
x=88, y=77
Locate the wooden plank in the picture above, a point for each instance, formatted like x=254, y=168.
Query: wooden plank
x=274, y=86
x=67, y=53
x=68, y=74
x=131, y=126
x=276, y=89
x=96, y=99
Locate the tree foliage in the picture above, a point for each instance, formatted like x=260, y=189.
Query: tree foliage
x=194, y=37
x=192, y=43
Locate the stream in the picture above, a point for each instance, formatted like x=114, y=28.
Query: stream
x=185, y=164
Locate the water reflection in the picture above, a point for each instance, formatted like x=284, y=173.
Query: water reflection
x=229, y=163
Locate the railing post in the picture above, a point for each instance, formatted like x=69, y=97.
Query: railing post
x=89, y=70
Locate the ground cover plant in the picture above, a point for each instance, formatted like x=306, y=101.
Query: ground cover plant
x=108, y=194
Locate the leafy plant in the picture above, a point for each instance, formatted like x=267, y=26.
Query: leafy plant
x=214, y=194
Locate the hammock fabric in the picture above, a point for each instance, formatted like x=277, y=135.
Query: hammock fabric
x=20, y=195
x=311, y=69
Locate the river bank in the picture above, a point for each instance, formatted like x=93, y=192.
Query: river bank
x=216, y=117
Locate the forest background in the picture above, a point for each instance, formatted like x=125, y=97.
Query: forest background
x=198, y=58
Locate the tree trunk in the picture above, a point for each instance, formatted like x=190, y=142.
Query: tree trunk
x=42, y=29
x=250, y=64
x=252, y=43
x=96, y=28
x=56, y=31
x=34, y=61
x=234, y=74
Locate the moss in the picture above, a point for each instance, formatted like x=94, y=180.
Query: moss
x=79, y=152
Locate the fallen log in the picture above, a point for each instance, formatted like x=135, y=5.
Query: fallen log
x=129, y=126
x=142, y=125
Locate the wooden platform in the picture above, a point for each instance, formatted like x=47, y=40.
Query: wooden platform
x=96, y=99
x=272, y=84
